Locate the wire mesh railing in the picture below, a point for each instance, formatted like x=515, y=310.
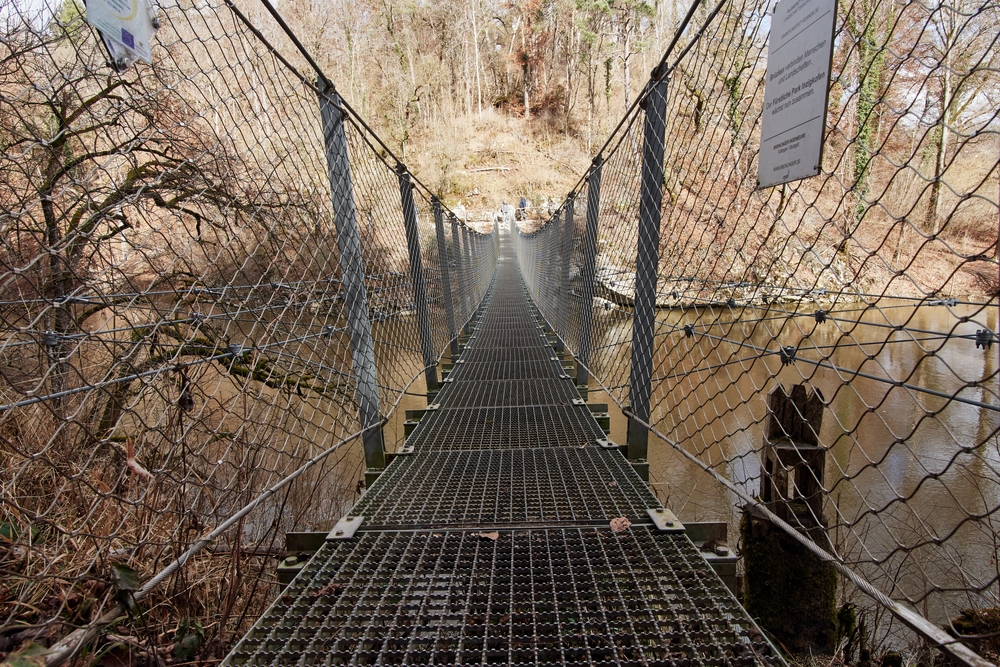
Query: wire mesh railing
x=692, y=297
x=216, y=282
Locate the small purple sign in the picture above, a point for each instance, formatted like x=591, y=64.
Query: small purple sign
x=127, y=39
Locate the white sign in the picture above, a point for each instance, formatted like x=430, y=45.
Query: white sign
x=800, y=49
x=126, y=23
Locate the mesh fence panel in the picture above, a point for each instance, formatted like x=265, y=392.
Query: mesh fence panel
x=873, y=283
x=176, y=377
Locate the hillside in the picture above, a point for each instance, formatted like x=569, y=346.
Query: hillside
x=477, y=163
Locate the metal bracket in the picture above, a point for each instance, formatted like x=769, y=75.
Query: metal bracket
x=448, y=379
x=579, y=401
x=404, y=450
x=607, y=444
x=563, y=376
x=665, y=521
x=345, y=528
x=432, y=407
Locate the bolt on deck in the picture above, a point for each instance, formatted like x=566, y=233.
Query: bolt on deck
x=490, y=543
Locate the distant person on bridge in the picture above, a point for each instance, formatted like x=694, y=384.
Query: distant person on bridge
x=521, y=208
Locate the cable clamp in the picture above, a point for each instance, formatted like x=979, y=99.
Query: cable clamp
x=984, y=339
x=787, y=354
x=238, y=350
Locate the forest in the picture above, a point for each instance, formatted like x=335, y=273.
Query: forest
x=493, y=100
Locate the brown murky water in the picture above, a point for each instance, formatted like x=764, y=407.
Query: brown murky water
x=912, y=479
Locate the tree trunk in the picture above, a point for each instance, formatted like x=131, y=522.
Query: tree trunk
x=626, y=54
x=60, y=282
x=468, y=85
x=475, y=43
x=934, y=210
x=527, y=71
x=871, y=62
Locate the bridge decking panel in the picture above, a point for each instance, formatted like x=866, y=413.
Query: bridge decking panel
x=530, y=597
x=493, y=487
x=531, y=353
x=507, y=370
x=526, y=426
x=510, y=392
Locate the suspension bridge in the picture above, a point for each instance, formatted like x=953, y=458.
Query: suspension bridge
x=266, y=399
x=492, y=538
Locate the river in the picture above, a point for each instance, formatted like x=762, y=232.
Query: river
x=912, y=488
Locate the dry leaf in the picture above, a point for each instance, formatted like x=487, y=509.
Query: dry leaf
x=132, y=464
x=612, y=483
x=490, y=536
x=620, y=524
x=332, y=589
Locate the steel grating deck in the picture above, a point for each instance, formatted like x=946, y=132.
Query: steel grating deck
x=490, y=543
x=490, y=488
x=493, y=427
x=512, y=393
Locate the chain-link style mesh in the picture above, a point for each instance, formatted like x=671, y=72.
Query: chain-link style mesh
x=870, y=284
x=176, y=381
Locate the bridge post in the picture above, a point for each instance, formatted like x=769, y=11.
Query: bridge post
x=565, y=255
x=417, y=277
x=588, y=275
x=472, y=278
x=445, y=275
x=646, y=265
x=463, y=281
x=546, y=265
x=352, y=274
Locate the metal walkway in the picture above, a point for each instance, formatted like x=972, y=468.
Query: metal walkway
x=489, y=543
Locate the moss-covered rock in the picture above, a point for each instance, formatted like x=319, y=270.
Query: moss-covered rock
x=983, y=624
x=791, y=593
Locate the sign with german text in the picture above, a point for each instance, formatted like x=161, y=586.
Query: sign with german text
x=800, y=49
x=127, y=23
